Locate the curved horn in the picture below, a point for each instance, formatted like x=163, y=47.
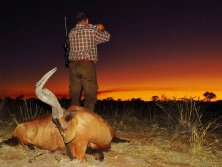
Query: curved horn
x=47, y=96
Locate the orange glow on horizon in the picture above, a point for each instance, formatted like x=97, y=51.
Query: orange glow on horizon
x=148, y=94
x=171, y=50
x=190, y=77
x=129, y=93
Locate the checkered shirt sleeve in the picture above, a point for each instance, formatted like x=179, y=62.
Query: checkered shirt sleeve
x=83, y=41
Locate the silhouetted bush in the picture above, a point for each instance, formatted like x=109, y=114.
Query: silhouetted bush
x=108, y=108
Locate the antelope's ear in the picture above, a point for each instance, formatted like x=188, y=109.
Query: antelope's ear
x=70, y=131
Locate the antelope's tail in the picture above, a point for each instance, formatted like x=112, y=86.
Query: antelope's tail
x=13, y=141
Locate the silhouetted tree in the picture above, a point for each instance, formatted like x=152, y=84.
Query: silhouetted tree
x=209, y=95
x=20, y=97
x=155, y=98
x=164, y=98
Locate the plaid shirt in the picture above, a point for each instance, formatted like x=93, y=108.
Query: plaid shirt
x=83, y=41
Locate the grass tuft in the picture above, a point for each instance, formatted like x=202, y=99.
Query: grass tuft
x=27, y=110
x=185, y=120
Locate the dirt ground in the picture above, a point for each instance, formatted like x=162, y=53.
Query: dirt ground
x=149, y=147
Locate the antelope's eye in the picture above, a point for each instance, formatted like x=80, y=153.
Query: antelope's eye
x=69, y=116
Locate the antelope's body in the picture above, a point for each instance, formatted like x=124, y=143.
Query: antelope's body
x=41, y=133
x=82, y=129
x=74, y=129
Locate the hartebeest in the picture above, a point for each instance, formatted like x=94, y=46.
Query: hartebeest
x=76, y=127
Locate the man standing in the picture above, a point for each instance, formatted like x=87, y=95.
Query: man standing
x=83, y=40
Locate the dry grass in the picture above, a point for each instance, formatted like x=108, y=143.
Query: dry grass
x=178, y=139
x=188, y=124
x=146, y=149
x=27, y=111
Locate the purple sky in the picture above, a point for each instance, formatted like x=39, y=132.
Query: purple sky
x=146, y=37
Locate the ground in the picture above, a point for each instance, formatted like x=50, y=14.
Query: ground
x=148, y=147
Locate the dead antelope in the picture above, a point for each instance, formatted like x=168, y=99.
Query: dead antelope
x=74, y=129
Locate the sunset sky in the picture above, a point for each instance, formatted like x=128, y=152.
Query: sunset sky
x=170, y=48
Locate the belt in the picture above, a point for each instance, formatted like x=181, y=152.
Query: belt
x=84, y=60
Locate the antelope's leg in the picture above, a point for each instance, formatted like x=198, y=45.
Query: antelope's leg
x=98, y=153
x=78, y=148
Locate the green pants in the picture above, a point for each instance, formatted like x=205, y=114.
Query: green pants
x=83, y=81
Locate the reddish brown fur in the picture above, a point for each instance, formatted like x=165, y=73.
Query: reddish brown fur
x=84, y=129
